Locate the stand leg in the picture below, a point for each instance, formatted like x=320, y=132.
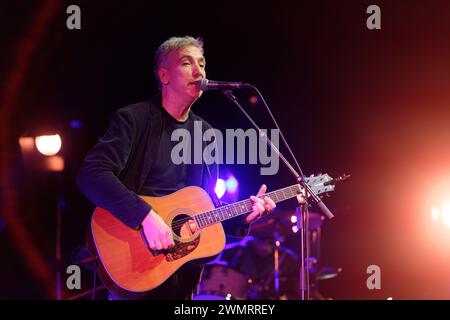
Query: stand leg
x=58, y=252
x=276, y=270
x=302, y=257
x=302, y=225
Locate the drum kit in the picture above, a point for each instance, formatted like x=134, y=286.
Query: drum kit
x=259, y=267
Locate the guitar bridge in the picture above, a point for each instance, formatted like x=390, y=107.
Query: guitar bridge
x=181, y=249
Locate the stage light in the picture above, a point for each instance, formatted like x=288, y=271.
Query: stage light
x=253, y=99
x=232, y=184
x=445, y=214
x=294, y=229
x=435, y=214
x=75, y=124
x=294, y=219
x=220, y=188
x=441, y=214
x=40, y=152
x=55, y=163
x=48, y=145
x=26, y=144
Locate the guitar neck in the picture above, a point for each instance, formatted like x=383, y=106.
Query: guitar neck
x=229, y=211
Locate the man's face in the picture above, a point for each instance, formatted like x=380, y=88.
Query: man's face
x=182, y=70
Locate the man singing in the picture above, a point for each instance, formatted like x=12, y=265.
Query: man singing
x=134, y=157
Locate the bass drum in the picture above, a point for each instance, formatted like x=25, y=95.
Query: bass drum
x=221, y=282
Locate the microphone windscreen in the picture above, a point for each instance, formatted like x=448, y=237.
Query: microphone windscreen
x=203, y=84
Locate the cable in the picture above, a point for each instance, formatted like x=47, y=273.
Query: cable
x=281, y=133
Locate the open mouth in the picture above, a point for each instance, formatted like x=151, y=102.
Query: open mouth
x=194, y=85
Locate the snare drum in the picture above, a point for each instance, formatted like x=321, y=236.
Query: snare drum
x=220, y=282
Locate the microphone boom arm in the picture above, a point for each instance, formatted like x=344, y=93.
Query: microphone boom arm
x=300, y=179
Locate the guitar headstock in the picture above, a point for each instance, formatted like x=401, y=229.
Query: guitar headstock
x=320, y=183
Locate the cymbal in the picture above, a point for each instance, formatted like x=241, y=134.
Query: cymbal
x=325, y=273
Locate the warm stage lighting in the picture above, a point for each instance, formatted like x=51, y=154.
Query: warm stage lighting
x=445, y=214
x=26, y=144
x=40, y=152
x=435, y=214
x=55, y=163
x=441, y=214
x=48, y=145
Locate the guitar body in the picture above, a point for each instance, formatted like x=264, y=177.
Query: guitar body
x=129, y=268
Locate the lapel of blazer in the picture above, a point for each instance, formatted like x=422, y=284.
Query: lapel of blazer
x=195, y=174
x=153, y=133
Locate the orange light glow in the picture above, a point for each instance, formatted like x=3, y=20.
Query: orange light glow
x=441, y=214
x=55, y=163
x=445, y=214
x=26, y=144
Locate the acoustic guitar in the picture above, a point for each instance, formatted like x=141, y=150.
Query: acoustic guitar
x=126, y=264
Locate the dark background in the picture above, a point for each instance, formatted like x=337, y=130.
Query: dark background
x=372, y=103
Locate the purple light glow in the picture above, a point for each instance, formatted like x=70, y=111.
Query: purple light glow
x=232, y=184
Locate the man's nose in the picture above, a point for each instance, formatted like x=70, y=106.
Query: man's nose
x=197, y=71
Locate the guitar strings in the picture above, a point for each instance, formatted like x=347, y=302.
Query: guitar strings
x=182, y=221
x=179, y=223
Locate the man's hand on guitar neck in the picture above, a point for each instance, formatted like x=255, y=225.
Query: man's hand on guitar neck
x=260, y=206
x=157, y=232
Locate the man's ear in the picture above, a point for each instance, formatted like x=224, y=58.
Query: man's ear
x=163, y=75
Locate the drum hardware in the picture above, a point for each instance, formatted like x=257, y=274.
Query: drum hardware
x=224, y=278
x=223, y=282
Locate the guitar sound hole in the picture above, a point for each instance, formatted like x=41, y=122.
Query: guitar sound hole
x=183, y=226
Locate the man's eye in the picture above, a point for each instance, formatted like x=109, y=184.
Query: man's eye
x=186, y=63
x=202, y=66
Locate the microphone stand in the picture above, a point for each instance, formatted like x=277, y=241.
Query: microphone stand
x=303, y=207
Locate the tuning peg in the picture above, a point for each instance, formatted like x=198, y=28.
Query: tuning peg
x=343, y=177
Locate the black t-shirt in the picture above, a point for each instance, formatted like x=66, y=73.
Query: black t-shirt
x=166, y=177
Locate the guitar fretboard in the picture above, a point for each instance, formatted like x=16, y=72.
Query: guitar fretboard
x=229, y=211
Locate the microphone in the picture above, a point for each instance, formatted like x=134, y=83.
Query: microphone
x=206, y=84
